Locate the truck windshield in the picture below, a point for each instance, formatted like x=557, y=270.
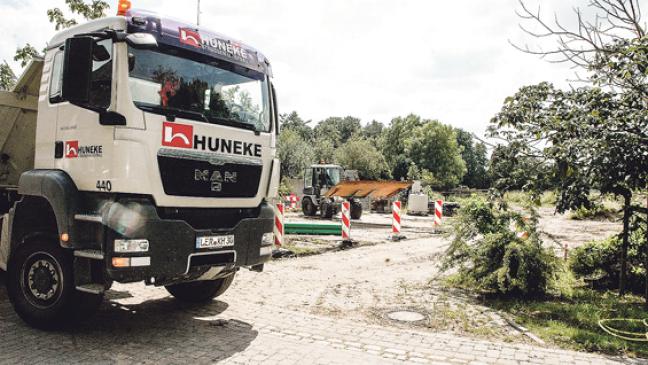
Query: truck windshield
x=199, y=88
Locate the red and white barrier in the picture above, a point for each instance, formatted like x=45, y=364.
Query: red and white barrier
x=438, y=212
x=293, y=199
x=279, y=224
x=396, y=218
x=346, y=221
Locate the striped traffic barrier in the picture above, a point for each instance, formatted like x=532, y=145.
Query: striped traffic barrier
x=438, y=212
x=293, y=201
x=396, y=221
x=279, y=224
x=346, y=221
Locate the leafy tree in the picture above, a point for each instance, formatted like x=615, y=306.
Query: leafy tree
x=434, y=149
x=338, y=130
x=324, y=151
x=587, y=139
x=294, y=122
x=373, y=130
x=7, y=77
x=362, y=155
x=294, y=153
x=474, y=155
x=393, y=143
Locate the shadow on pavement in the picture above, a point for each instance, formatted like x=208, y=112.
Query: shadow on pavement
x=152, y=331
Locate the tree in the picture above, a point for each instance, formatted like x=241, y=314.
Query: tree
x=434, y=149
x=294, y=122
x=94, y=10
x=393, y=143
x=610, y=21
x=373, y=130
x=585, y=138
x=474, y=155
x=7, y=77
x=338, y=130
x=294, y=153
x=324, y=151
x=362, y=155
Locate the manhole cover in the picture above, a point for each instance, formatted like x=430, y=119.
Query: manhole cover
x=406, y=316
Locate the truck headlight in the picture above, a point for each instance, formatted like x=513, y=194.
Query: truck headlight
x=267, y=239
x=131, y=246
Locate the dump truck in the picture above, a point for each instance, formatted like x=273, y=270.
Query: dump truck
x=139, y=149
x=326, y=186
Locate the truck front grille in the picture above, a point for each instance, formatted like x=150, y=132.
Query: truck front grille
x=193, y=176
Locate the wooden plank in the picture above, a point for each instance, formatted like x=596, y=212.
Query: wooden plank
x=9, y=99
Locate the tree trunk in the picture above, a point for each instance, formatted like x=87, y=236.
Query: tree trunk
x=624, y=248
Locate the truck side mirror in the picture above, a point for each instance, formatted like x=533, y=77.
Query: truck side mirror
x=77, y=69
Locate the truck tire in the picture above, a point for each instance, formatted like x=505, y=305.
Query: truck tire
x=356, y=210
x=40, y=285
x=326, y=210
x=200, y=291
x=309, y=209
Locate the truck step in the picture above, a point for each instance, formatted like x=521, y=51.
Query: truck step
x=91, y=288
x=89, y=254
x=89, y=218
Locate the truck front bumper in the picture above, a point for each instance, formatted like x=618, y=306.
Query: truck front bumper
x=172, y=255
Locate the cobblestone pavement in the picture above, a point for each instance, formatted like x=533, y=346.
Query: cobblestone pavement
x=269, y=318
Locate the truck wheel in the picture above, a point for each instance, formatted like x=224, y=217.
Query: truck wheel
x=308, y=207
x=200, y=291
x=40, y=285
x=326, y=210
x=356, y=210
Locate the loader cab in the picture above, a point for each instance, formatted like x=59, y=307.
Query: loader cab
x=319, y=178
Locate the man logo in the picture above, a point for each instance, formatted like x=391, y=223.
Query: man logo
x=71, y=149
x=190, y=37
x=177, y=135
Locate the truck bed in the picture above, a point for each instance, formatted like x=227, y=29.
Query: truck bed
x=18, y=111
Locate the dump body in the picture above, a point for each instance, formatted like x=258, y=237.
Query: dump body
x=18, y=112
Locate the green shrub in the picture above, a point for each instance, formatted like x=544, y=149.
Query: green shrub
x=489, y=255
x=596, y=212
x=598, y=261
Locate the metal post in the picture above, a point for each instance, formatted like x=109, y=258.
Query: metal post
x=198, y=13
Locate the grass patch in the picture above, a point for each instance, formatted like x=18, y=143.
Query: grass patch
x=597, y=212
x=573, y=322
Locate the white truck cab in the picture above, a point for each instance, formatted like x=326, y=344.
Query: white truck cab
x=154, y=161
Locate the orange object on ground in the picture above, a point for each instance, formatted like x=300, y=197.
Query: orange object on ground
x=363, y=189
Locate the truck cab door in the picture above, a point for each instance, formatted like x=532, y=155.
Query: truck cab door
x=87, y=144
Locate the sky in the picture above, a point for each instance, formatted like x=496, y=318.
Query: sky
x=372, y=59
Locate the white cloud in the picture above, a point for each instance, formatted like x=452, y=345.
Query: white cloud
x=374, y=59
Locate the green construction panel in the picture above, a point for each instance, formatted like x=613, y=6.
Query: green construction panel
x=313, y=228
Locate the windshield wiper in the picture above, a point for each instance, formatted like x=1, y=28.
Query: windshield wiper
x=174, y=112
x=233, y=123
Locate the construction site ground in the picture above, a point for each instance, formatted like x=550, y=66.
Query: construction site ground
x=330, y=308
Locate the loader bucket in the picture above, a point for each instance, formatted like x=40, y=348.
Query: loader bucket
x=372, y=189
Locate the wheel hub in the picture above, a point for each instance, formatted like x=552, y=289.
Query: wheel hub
x=43, y=280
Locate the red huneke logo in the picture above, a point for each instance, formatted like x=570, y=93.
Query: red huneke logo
x=177, y=135
x=190, y=37
x=71, y=149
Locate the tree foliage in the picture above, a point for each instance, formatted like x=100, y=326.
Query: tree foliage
x=434, y=149
x=294, y=153
x=592, y=137
x=362, y=155
x=474, y=155
x=489, y=256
